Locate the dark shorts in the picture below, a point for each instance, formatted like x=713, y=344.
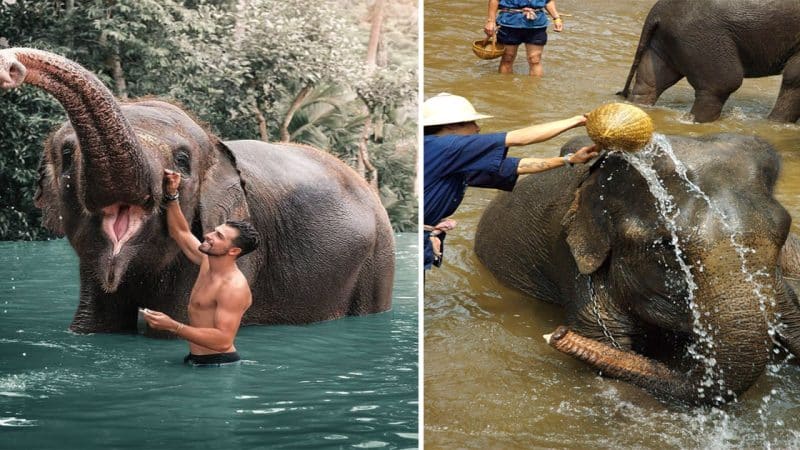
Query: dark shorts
x=516, y=36
x=213, y=360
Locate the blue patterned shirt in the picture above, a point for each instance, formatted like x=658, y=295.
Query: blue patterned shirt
x=517, y=19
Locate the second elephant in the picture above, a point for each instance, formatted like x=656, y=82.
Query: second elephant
x=642, y=296
x=715, y=45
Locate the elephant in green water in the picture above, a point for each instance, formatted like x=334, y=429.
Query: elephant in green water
x=327, y=245
x=688, y=309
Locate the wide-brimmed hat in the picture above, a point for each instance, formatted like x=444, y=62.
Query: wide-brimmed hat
x=447, y=108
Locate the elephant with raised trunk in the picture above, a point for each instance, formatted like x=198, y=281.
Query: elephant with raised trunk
x=694, y=323
x=327, y=246
x=715, y=44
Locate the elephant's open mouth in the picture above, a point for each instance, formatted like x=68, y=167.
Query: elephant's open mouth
x=120, y=223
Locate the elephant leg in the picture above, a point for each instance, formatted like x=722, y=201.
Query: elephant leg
x=101, y=315
x=787, y=107
x=625, y=365
x=653, y=77
x=708, y=105
x=99, y=312
x=790, y=257
x=789, y=310
x=714, y=82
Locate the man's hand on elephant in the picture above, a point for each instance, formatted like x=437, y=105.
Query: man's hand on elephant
x=585, y=154
x=172, y=180
x=158, y=320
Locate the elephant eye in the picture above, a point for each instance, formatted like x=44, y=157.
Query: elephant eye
x=67, y=151
x=183, y=163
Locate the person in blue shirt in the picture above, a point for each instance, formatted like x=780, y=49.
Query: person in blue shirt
x=522, y=21
x=457, y=156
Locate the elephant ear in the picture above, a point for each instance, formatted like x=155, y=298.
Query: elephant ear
x=47, y=196
x=222, y=194
x=586, y=230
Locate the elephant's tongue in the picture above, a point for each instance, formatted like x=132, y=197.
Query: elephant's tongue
x=121, y=224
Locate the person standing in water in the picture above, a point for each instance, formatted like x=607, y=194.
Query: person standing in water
x=221, y=294
x=522, y=21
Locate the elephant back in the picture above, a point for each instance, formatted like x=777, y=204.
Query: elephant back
x=328, y=247
x=520, y=238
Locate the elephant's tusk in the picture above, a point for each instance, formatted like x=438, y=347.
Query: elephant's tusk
x=547, y=337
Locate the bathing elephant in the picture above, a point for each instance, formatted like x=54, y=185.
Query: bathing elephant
x=715, y=44
x=640, y=295
x=327, y=246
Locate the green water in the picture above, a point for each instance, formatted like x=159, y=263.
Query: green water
x=349, y=383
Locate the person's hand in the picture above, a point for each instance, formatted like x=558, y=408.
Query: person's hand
x=585, y=154
x=158, y=320
x=490, y=28
x=558, y=25
x=172, y=180
x=580, y=120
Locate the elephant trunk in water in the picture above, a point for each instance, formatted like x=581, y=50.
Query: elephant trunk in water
x=730, y=340
x=109, y=147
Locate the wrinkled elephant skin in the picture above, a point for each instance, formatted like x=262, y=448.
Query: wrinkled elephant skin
x=715, y=44
x=591, y=240
x=327, y=246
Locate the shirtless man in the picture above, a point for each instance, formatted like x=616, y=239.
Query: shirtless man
x=220, y=295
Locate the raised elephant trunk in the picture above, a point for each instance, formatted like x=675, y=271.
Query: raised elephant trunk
x=114, y=169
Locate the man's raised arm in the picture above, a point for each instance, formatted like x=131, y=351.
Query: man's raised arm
x=176, y=223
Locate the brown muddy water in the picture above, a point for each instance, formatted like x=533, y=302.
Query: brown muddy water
x=490, y=379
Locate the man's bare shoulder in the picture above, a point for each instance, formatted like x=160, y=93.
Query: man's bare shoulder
x=235, y=288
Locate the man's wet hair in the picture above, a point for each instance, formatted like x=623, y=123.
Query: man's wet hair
x=248, y=238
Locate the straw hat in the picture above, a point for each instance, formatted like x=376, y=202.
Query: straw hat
x=445, y=108
x=619, y=126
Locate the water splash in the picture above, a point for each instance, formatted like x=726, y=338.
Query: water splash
x=767, y=305
x=702, y=349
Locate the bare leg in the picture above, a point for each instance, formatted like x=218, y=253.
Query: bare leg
x=534, y=54
x=507, y=60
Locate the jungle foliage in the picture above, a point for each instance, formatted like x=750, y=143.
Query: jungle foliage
x=251, y=69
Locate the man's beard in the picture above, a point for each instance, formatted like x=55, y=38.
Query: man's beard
x=206, y=248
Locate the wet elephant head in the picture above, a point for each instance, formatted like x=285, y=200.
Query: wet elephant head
x=680, y=295
x=706, y=269
x=101, y=172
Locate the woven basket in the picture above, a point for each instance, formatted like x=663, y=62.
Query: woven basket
x=619, y=126
x=488, y=48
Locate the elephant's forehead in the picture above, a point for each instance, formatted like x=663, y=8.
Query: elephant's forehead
x=155, y=143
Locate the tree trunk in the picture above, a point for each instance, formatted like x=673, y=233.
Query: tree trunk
x=262, y=123
x=114, y=63
x=298, y=101
x=375, y=35
x=364, y=166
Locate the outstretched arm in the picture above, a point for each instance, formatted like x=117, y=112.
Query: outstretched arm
x=534, y=165
x=176, y=223
x=543, y=132
x=232, y=302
